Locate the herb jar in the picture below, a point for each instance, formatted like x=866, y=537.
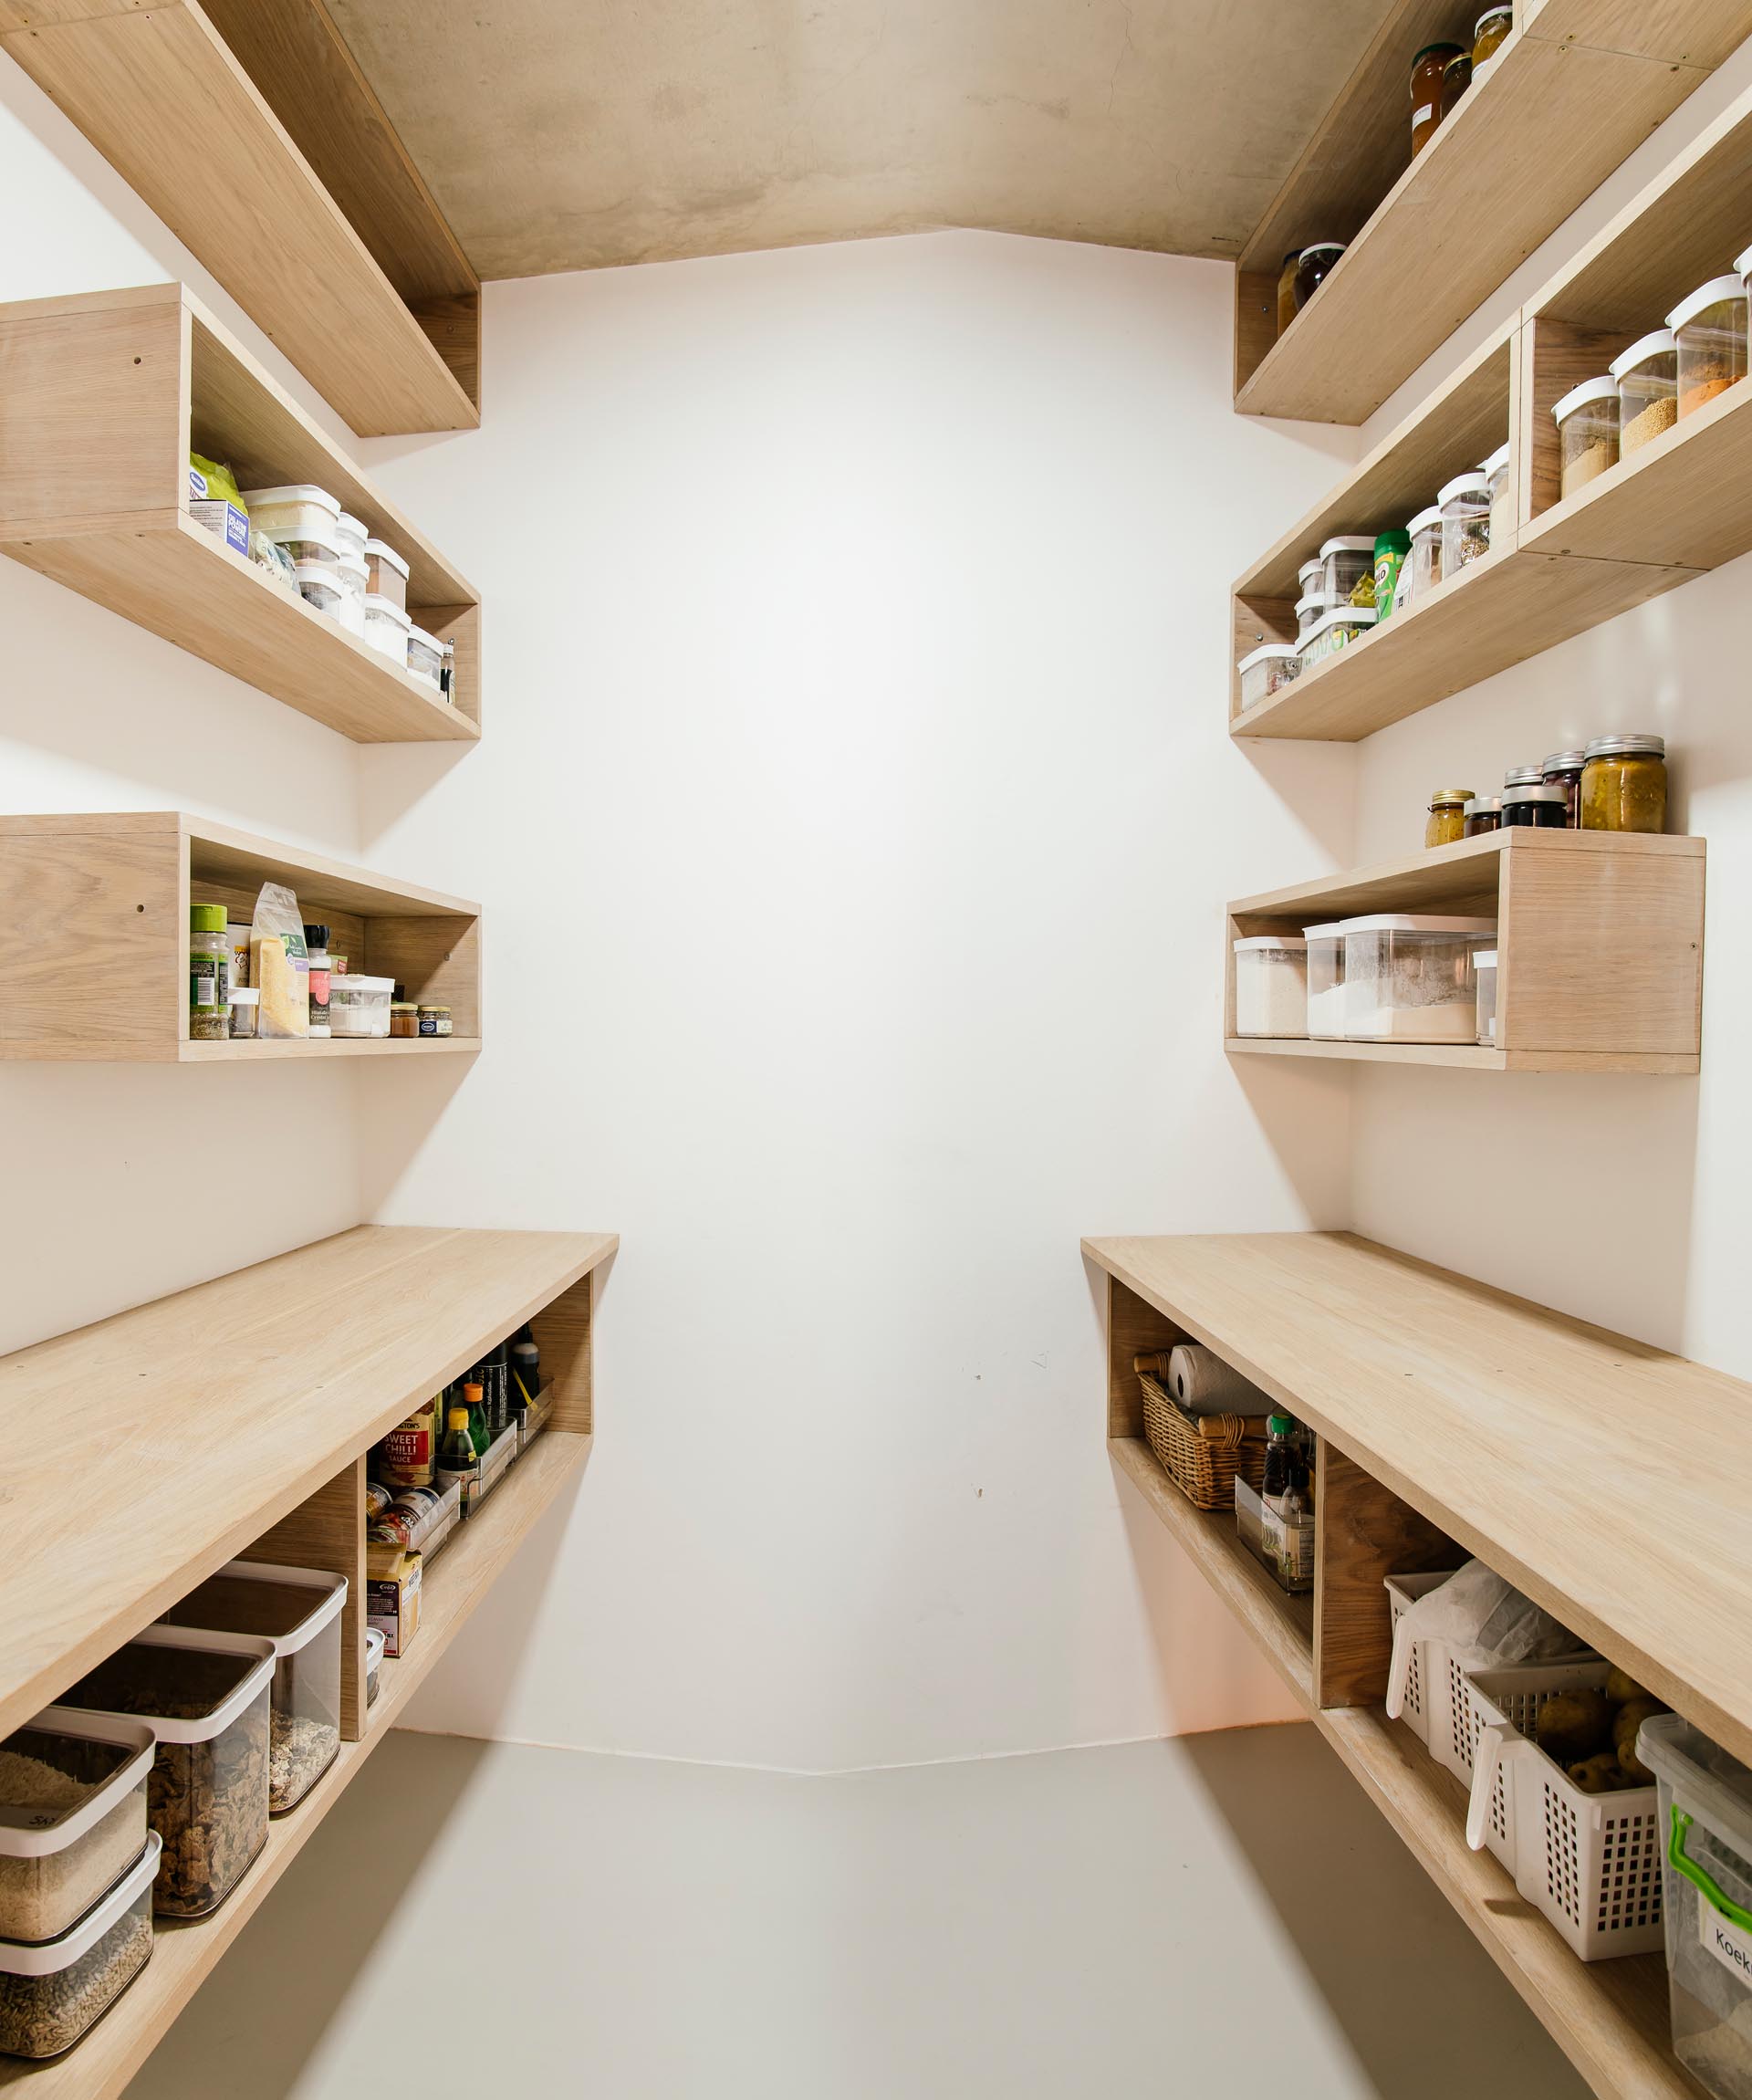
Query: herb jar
x=1287, y=289
x=1482, y=814
x=1587, y=421
x=405, y=1018
x=1535, y=809
x=245, y=1013
x=1456, y=77
x=1313, y=266
x=1464, y=505
x=1392, y=546
x=1501, y=487
x=1422, y=568
x=1271, y=985
x=1447, y=820
x=1624, y=784
x=209, y=961
x=1344, y=562
x=1484, y=968
x=1490, y=34
x=1647, y=390
x=1711, y=329
x=1563, y=769
x=1266, y=670
x=1325, y=953
x=435, y=1021
x=1428, y=69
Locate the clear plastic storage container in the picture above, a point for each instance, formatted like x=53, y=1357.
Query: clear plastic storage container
x=428, y=657
x=387, y=573
x=386, y=629
x=206, y=1697
x=50, y=1995
x=1333, y=631
x=319, y=585
x=1711, y=329
x=1309, y=609
x=1344, y=562
x=1422, y=566
x=1464, y=505
x=1501, y=488
x=359, y=1006
x=293, y=512
x=72, y=1817
x=1309, y=576
x=1271, y=985
x=352, y=593
x=1647, y=390
x=298, y=1609
x=1265, y=670
x=374, y=1646
x=1409, y=978
x=1587, y=421
x=1325, y=981
x=312, y=546
x=1484, y=964
x=350, y=535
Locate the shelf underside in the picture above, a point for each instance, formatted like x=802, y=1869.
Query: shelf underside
x=1467, y=1057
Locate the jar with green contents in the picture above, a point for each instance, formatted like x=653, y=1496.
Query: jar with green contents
x=1624, y=784
x=209, y=961
x=1392, y=546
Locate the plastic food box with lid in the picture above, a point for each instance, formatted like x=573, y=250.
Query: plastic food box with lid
x=1464, y=505
x=1647, y=376
x=298, y=1610
x=1345, y=560
x=359, y=1006
x=1335, y=631
x=1267, y=670
x=1710, y=327
x=374, y=1646
x=1271, y=985
x=1422, y=569
x=206, y=1697
x=51, y=1994
x=297, y=510
x=386, y=573
x=72, y=1827
x=1587, y=421
x=387, y=628
x=1409, y=978
x=1325, y=981
x=428, y=659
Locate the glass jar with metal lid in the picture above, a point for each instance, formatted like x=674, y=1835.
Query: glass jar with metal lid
x=1427, y=69
x=1490, y=33
x=1448, y=816
x=1624, y=784
x=1287, y=289
x=1524, y=776
x=1315, y=264
x=1540, y=809
x=1482, y=814
x=1456, y=77
x=1563, y=769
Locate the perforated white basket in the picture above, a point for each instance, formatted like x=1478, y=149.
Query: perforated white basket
x=1417, y=1676
x=1589, y=1862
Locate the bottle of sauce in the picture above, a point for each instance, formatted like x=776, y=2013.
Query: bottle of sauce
x=404, y=1459
x=316, y=943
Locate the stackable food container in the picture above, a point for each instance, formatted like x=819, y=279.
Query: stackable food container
x=1267, y=669
x=51, y=1994
x=56, y=1862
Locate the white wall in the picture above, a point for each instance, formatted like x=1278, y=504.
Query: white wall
x=853, y=822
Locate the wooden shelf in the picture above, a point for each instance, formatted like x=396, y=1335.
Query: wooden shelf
x=1577, y=88
x=254, y=135
x=94, y=913
x=105, y=393
x=184, y=1954
x=1599, y=940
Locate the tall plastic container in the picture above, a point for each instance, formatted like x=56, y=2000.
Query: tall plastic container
x=58, y=1858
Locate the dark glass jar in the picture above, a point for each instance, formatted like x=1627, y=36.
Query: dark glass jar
x=1542, y=808
x=1313, y=266
x=1482, y=814
x=1563, y=769
x=1428, y=70
x=1456, y=77
x=1287, y=289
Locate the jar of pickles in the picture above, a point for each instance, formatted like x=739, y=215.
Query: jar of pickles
x=1624, y=784
x=1448, y=816
x=1490, y=33
x=1428, y=70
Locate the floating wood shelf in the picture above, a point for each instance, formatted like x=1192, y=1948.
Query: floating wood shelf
x=1576, y=89
x=253, y=134
x=1453, y=1419
x=94, y=913
x=1599, y=940
x=104, y=394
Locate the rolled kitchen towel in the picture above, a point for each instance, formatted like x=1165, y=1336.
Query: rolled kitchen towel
x=1202, y=1383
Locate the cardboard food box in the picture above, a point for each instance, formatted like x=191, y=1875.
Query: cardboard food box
x=393, y=1595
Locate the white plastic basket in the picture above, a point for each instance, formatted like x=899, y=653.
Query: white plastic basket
x=1417, y=1688
x=1514, y=1693
x=1589, y=1862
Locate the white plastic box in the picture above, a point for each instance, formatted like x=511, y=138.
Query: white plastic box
x=1262, y=672
x=55, y=1862
x=293, y=511
x=359, y=1006
x=375, y=1644
x=1514, y=1693
x=387, y=628
x=50, y=1995
x=1271, y=985
x=1325, y=981
x=427, y=659
x=1417, y=1675
x=1409, y=978
x=386, y=573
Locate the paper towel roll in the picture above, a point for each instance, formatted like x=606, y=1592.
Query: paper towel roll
x=1203, y=1384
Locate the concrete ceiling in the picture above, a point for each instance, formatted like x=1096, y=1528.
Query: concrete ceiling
x=570, y=134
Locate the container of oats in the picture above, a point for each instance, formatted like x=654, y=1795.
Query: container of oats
x=298, y=1609
x=206, y=1697
x=72, y=1817
x=50, y=1995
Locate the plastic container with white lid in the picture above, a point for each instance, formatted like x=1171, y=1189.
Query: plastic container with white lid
x=1587, y=421
x=1335, y=631
x=308, y=547
x=206, y=1697
x=1420, y=571
x=1484, y=964
x=1308, y=609
x=427, y=658
x=319, y=585
x=1310, y=576
x=1345, y=561
x=1325, y=981
x=1464, y=505
x=352, y=593
x=52, y=1994
x=387, y=628
x=298, y=1609
x=1271, y=985
x=351, y=534
x=374, y=1646
x=1262, y=672
x=1409, y=978
x=1703, y=1838
x=58, y=1856
x=359, y=1006
x=292, y=511
x=1711, y=329
x=387, y=573
x=1647, y=376
x=1502, y=495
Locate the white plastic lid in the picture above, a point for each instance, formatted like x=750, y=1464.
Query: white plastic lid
x=1710, y=294
x=385, y=552
x=1307, y=570
x=328, y=1594
x=1416, y=923
x=350, y=984
x=1291, y=941
x=1350, y=543
x=378, y=607
x=1604, y=388
x=376, y=1640
x=1340, y=616
x=1424, y=520
x=1485, y=959
x=202, y=1728
x=432, y=641
x=1658, y=342
x=327, y=572
x=55, y=1955
x=1495, y=463
x=1743, y=261
x=354, y=565
x=28, y=1832
x=1278, y=651
x=354, y=527
x=1711, y=1786
x=245, y=996
x=1329, y=932
x=1470, y=480
x=293, y=492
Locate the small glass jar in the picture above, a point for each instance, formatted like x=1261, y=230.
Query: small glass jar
x=209, y=962
x=1535, y=809
x=1484, y=968
x=1428, y=70
x=1465, y=521
x=1711, y=329
x=1287, y=289
x=434, y=1021
x=1587, y=421
x=1313, y=266
x=1422, y=567
x=405, y=1018
x=1563, y=769
x=1447, y=821
x=1456, y=77
x=245, y=1013
x=1482, y=814
x=1647, y=390
x=1265, y=671
x=1500, y=485
x=1624, y=784
x=1490, y=33
x=1344, y=562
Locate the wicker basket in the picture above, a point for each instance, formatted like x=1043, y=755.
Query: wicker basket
x=1202, y=1459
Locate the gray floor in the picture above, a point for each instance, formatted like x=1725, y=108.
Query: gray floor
x=1221, y=1915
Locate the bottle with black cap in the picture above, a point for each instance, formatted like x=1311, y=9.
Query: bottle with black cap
x=316, y=942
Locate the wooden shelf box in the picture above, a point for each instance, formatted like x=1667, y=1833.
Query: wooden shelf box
x=94, y=915
x=103, y=396
x=1599, y=937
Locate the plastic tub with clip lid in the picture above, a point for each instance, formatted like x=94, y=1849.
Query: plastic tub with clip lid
x=72, y=1816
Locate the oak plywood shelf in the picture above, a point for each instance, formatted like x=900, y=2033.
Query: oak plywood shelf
x=1453, y=1419
x=313, y=218
x=1576, y=89
x=94, y=912
x=104, y=395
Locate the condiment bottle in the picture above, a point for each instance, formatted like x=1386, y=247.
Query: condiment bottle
x=1540, y=809
x=404, y=1457
x=1448, y=816
x=479, y=1427
x=1624, y=784
x=1427, y=69
x=457, y=1455
x=525, y=1368
x=316, y=943
x=209, y=959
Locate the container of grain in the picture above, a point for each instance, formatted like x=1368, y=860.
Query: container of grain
x=298, y=1609
x=206, y=1697
x=1647, y=390
x=1271, y=985
x=1325, y=980
x=1711, y=329
x=1587, y=421
x=1411, y=977
x=50, y=1995
x=72, y=1817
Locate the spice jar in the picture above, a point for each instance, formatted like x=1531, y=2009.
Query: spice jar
x=209, y=958
x=1456, y=77
x=405, y=1018
x=435, y=1021
x=1448, y=816
x=1647, y=390
x=1313, y=266
x=1490, y=33
x=1587, y=421
x=1624, y=784
x=1537, y=809
x=1422, y=569
x=1711, y=329
x=1500, y=484
x=1287, y=289
x=1482, y=814
x=1427, y=69
x=1465, y=520
x=246, y=1009
x=1344, y=562
x=1391, y=549
x=1563, y=769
